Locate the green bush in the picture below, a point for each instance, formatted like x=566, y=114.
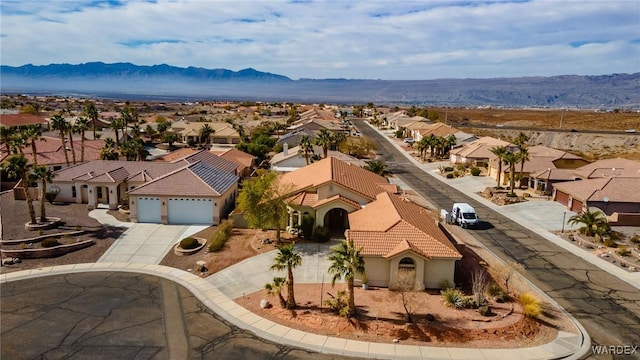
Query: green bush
x=307, y=226
x=448, y=168
x=321, y=234
x=189, y=243
x=220, y=237
x=494, y=290
x=610, y=243
x=450, y=176
x=50, y=242
x=624, y=251
x=475, y=171
x=461, y=167
x=530, y=304
x=445, y=284
x=452, y=298
x=635, y=239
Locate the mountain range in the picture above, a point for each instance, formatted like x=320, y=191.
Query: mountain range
x=126, y=80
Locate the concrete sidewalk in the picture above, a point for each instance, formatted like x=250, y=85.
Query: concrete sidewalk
x=565, y=346
x=142, y=243
x=537, y=215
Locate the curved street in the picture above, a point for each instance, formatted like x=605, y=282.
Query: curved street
x=607, y=307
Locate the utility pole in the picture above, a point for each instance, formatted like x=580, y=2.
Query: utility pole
x=561, y=117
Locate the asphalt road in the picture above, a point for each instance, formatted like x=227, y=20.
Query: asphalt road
x=607, y=307
x=107, y=315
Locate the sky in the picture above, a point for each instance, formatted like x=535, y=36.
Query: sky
x=391, y=40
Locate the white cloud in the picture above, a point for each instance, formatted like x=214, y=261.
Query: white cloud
x=363, y=39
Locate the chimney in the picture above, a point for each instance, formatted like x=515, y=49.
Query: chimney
x=285, y=149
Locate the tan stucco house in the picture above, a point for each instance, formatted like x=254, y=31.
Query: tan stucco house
x=397, y=235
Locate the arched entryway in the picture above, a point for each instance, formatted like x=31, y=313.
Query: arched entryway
x=406, y=277
x=337, y=221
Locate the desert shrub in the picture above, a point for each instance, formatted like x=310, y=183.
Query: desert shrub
x=494, y=290
x=189, y=243
x=307, y=226
x=445, y=284
x=450, y=176
x=50, y=242
x=635, y=239
x=220, y=237
x=338, y=304
x=609, y=243
x=623, y=251
x=475, y=171
x=530, y=304
x=461, y=167
x=448, y=169
x=321, y=234
x=456, y=174
x=453, y=298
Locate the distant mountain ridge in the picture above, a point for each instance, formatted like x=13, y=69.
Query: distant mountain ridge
x=99, y=69
x=126, y=80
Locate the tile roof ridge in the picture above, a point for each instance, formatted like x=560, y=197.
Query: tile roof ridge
x=165, y=175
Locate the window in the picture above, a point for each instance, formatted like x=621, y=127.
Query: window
x=407, y=264
x=73, y=191
x=99, y=190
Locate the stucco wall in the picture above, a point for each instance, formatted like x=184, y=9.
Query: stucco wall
x=65, y=192
x=377, y=270
x=438, y=270
x=331, y=189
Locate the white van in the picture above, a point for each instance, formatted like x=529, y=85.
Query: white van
x=464, y=215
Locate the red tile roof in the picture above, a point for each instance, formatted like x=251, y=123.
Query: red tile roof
x=390, y=225
x=50, y=151
x=21, y=119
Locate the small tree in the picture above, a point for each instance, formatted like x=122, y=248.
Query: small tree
x=405, y=282
x=275, y=289
x=506, y=272
x=479, y=287
x=377, y=166
x=288, y=259
x=18, y=167
x=45, y=175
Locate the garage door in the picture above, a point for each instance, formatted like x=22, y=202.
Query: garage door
x=148, y=210
x=562, y=198
x=190, y=211
x=576, y=206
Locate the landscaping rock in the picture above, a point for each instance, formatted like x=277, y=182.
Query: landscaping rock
x=485, y=310
x=264, y=304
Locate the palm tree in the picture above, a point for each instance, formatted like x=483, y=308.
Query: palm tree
x=431, y=142
x=449, y=142
x=324, y=140
x=59, y=123
x=45, y=175
x=511, y=158
x=346, y=262
x=126, y=117
x=71, y=129
x=92, y=113
x=499, y=151
x=108, y=151
x=18, y=167
x=81, y=126
x=305, y=147
x=377, y=166
x=338, y=137
x=275, y=289
x=422, y=147
x=524, y=156
x=17, y=142
x=521, y=139
x=6, y=133
x=116, y=124
x=205, y=133
x=594, y=222
x=31, y=134
x=287, y=258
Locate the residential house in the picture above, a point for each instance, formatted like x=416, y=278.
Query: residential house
x=328, y=190
x=610, y=185
x=197, y=189
x=290, y=159
x=396, y=236
x=293, y=138
x=437, y=129
x=477, y=152
x=223, y=132
x=20, y=120
x=245, y=162
x=51, y=152
x=541, y=159
x=316, y=125
x=413, y=129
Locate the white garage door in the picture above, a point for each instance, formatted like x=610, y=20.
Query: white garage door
x=148, y=210
x=190, y=211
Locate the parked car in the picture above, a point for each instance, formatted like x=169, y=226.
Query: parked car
x=464, y=215
x=408, y=140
